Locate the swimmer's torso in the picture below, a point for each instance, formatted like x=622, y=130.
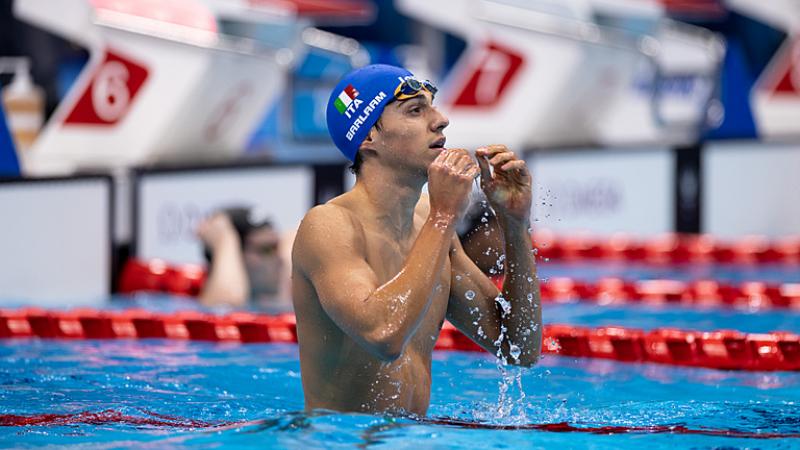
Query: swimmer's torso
x=341, y=375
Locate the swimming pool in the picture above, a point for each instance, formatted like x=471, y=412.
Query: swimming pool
x=166, y=393
x=190, y=394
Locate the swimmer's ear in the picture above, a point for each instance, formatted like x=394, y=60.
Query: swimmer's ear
x=370, y=141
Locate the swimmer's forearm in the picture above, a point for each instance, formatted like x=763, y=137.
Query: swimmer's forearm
x=400, y=304
x=227, y=282
x=521, y=289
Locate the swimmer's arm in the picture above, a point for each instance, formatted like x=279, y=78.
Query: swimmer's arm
x=227, y=283
x=522, y=326
x=330, y=252
x=521, y=289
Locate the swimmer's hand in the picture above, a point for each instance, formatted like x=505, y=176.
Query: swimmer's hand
x=217, y=231
x=450, y=182
x=508, y=188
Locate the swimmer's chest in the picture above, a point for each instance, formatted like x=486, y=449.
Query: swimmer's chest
x=387, y=258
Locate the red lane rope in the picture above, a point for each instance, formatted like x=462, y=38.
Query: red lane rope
x=722, y=349
x=98, y=418
x=669, y=249
x=563, y=427
x=114, y=417
x=750, y=295
x=138, y=276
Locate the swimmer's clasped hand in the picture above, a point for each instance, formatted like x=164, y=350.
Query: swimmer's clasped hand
x=450, y=178
x=508, y=187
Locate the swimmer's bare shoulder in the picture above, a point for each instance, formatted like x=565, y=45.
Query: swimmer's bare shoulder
x=328, y=232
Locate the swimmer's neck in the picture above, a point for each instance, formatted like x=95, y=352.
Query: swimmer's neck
x=392, y=198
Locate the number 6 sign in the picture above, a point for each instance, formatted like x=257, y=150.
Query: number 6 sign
x=110, y=93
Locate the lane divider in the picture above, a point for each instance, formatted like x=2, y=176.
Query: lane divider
x=668, y=249
x=156, y=276
x=722, y=349
x=115, y=417
x=750, y=295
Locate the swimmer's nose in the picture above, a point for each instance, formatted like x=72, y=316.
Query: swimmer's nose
x=440, y=121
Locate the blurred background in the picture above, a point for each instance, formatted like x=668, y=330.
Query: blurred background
x=127, y=123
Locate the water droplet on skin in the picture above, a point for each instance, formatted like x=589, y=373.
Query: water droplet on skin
x=469, y=295
x=458, y=277
x=504, y=304
x=530, y=297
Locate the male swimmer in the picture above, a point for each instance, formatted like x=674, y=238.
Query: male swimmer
x=378, y=269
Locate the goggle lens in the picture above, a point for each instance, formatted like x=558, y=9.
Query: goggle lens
x=411, y=88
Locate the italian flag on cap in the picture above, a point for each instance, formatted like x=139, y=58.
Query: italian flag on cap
x=345, y=98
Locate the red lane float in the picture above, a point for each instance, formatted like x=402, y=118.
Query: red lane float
x=114, y=417
x=156, y=276
x=751, y=295
x=668, y=249
x=108, y=416
x=722, y=349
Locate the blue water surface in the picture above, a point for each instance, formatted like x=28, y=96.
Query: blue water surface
x=178, y=394
x=206, y=395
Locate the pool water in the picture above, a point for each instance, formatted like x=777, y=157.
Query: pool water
x=179, y=394
x=173, y=394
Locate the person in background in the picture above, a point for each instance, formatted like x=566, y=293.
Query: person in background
x=245, y=265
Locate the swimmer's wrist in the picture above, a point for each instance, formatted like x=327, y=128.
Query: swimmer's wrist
x=442, y=220
x=226, y=240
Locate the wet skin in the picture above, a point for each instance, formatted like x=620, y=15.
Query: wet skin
x=378, y=269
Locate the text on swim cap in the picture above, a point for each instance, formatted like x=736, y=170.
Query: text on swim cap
x=352, y=108
x=363, y=117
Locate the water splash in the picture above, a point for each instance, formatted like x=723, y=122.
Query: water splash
x=514, y=351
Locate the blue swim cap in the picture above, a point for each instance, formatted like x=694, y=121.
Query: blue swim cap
x=357, y=102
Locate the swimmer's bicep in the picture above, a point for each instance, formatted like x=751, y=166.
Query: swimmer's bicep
x=329, y=255
x=342, y=294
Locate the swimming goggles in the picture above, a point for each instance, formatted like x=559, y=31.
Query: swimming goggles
x=411, y=87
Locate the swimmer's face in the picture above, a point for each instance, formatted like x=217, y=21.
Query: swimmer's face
x=262, y=260
x=411, y=132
